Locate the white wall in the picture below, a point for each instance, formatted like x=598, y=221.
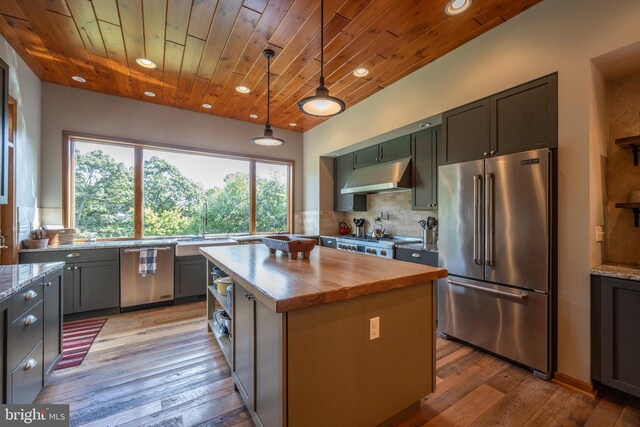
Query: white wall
x=70, y=109
x=25, y=88
x=555, y=35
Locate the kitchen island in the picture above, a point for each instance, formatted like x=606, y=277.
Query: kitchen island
x=305, y=346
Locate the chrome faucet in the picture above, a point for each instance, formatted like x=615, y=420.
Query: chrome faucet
x=205, y=220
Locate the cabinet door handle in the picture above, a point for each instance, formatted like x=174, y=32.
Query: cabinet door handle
x=248, y=296
x=31, y=363
x=416, y=255
x=73, y=255
x=30, y=320
x=75, y=268
x=492, y=152
x=30, y=295
x=48, y=284
x=486, y=153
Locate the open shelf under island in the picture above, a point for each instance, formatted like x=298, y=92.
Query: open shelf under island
x=301, y=352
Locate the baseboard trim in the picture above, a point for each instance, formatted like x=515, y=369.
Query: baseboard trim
x=574, y=384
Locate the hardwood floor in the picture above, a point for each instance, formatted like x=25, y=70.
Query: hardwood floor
x=161, y=368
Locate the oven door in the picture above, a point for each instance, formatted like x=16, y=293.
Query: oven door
x=507, y=321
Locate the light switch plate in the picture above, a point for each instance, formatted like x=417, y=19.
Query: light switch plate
x=599, y=233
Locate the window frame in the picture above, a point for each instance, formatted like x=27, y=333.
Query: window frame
x=68, y=177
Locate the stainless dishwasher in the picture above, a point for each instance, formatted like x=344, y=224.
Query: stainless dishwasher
x=154, y=288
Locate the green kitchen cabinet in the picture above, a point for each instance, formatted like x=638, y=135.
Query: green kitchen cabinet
x=190, y=276
x=52, y=320
x=343, y=167
x=394, y=149
x=91, y=277
x=424, y=169
x=366, y=157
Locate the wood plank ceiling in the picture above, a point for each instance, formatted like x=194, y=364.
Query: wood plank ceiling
x=205, y=48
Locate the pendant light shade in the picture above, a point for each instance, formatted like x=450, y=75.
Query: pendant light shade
x=267, y=139
x=321, y=104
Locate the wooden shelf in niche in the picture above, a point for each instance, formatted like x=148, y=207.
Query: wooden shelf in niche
x=630, y=143
x=636, y=211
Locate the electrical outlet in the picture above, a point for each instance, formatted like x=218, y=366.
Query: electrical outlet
x=374, y=328
x=599, y=233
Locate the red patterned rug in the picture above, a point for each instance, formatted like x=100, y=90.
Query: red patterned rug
x=77, y=338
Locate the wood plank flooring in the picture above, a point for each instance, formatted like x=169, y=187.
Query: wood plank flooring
x=160, y=367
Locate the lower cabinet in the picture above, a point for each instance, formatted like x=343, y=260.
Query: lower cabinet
x=30, y=339
x=91, y=277
x=52, y=320
x=329, y=242
x=417, y=256
x=615, y=336
x=190, y=276
x=258, y=357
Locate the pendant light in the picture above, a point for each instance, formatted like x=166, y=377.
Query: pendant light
x=268, y=139
x=321, y=104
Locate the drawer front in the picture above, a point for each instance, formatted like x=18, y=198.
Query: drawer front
x=83, y=255
x=24, y=334
x=27, y=298
x=26, y=378
x=419, y=257
x=329, y=242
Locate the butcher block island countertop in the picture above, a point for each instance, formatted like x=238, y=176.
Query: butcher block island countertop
x=305, y=349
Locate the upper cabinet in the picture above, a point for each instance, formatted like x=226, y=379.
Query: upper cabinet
x=343, y=167
x=4, y=136
x=526, y=117
x=519, y=119
x=424, y=169
x=393, y=149
x=366, y=157
x=466, y=132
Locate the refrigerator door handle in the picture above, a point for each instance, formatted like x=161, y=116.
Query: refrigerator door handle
x=477, y=190
x=520, y=296
x=489, y=218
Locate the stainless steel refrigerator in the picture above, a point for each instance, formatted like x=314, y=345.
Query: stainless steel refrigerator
x=496, y=241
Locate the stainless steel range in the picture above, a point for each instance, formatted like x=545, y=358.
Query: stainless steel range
x=381, y=247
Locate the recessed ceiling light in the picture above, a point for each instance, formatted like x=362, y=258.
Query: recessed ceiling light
x=360, y=72
x=455, y=7
x=146, y=63
x=424, y=125
x=150, y=94
x=293, y=124
x=253, y=116
x=207, y=106
x=242, y=89
x=79, y=79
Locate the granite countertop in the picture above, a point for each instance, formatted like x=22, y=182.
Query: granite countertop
x=15, y=277
x=418, y=247
x=619, y=271
x=106, y=245
x=284, y=284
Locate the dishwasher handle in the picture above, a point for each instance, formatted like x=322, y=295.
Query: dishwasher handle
x=130, y=251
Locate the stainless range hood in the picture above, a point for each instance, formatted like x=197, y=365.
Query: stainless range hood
x=383, y=177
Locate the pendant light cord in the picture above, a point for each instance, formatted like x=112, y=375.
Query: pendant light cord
x=321, y=42
x=268, y=124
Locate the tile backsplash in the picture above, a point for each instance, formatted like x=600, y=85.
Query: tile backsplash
x=402, y=220
x=623, y=239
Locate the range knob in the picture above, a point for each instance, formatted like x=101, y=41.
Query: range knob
x=374, y=252
x=353, y=248
x=383, y=253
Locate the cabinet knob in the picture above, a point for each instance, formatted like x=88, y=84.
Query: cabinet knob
x=30, y=319
x=416, y=255
x=248, y=296
x=48, y=284
x=30, y=295
x=486, y=153
x=31, y=363
x=75, y=268
x=492, y=152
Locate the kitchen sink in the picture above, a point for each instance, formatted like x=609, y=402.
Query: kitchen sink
x=191, y=246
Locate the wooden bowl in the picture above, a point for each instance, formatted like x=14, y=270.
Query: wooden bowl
x=35, y=243
x=289, y=245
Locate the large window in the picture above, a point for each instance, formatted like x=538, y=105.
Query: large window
x=127, y=189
